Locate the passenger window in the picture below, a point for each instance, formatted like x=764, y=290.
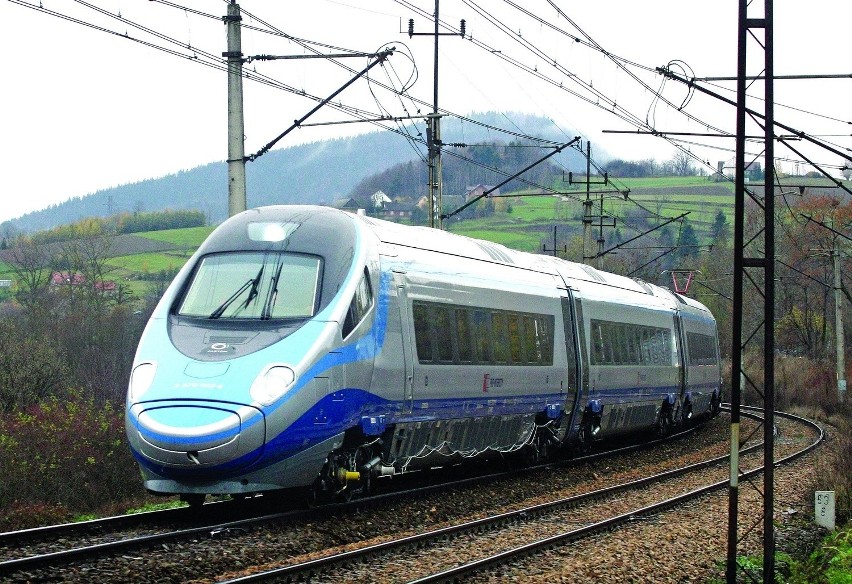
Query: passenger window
x=463, y=336
x=544, y=334
x=501, y=341
x=422, y=333
x=360, y=305
x=515, y=338
x=531, y=346
x=482, y=334
x=443, y=335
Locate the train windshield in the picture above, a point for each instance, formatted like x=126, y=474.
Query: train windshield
x=254, y=285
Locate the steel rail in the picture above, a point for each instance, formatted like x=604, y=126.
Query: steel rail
x=312, y=568
x=211, y=530
x=616, y=521
x=101, y=524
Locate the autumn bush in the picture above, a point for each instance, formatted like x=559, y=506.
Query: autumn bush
x=62, y=458
x=799, y=383
x=808, y=387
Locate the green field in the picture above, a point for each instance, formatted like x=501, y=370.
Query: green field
x=188, y=237
x=151, y=263
x=525, y=222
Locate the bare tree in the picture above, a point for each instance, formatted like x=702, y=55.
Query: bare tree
x=31, y=263
x=681, y=164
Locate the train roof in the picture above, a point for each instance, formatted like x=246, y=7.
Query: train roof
x=430, y=239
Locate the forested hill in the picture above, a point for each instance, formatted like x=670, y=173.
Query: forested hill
x=319, y=172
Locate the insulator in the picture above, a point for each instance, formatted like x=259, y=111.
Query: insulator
x=461, y=27
x=410, y=27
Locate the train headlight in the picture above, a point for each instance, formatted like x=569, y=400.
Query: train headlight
x=272, y=384
x=141, y=379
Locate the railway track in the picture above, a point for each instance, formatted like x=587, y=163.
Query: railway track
x=562, y=512
x=541, y=527
x=39, y=549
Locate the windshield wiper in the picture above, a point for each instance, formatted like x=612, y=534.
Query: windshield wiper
x=266, y=314
x=251, y=283
x=255, y=283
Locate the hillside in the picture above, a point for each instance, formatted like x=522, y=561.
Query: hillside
x=319, y=172
x=525, y=223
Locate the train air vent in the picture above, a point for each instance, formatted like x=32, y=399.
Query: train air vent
x=594, y=274
x=495, y=253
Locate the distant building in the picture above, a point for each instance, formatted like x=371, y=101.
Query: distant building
x=349, y=204
x=397, y=210
x=105, y=286
x=66, y=279
x=478, y=190
x=77, y=279
x=379, y=199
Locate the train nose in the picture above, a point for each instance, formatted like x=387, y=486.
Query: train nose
x=200, y=435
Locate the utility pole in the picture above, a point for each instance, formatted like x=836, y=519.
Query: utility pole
x=236, y=126
x=588, y=217
x=433, y=131
x=435, y=174
x=838, y=324
x=555, y=249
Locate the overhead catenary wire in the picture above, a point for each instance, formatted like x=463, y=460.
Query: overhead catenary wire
x=348, y=111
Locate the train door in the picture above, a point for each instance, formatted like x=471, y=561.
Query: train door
x=683, y=367
x=406, y=324
x=577, y=375
x=572, y=356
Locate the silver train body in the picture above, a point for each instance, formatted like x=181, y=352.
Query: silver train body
x=306, y=347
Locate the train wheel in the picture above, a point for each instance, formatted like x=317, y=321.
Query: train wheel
x=194, y=500
x=686, y=416
x=664, y=423
x=585, y=437
x=715, y=405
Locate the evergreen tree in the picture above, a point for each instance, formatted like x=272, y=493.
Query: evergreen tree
x=721, y=231
x=687, y=242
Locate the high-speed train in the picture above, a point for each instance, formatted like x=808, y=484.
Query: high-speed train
x=304, y=346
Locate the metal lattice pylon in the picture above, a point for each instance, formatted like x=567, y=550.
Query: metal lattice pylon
x=754, y=263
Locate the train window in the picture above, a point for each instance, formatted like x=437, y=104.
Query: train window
x=702, y=349
x=253, y=285
x=463, y=339
x=500, y=340
x=422, y=333
x=597, y=343
x=361, y=303
x=532, y=350
x=544, y=339
x=515, y=341
x=663, y=348
x=632, y=344
x=616, y=343
x=443, y=336
x=621, y=333
x=482, y=334
x=446, y=334
x=645, y=346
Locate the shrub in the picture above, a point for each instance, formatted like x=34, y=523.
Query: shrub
x=834, y=472
x=31, y=368
x=831, y=563
x=24, y=515
x=65, y=455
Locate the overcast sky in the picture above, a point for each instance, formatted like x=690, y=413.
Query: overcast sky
x=85, y=109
